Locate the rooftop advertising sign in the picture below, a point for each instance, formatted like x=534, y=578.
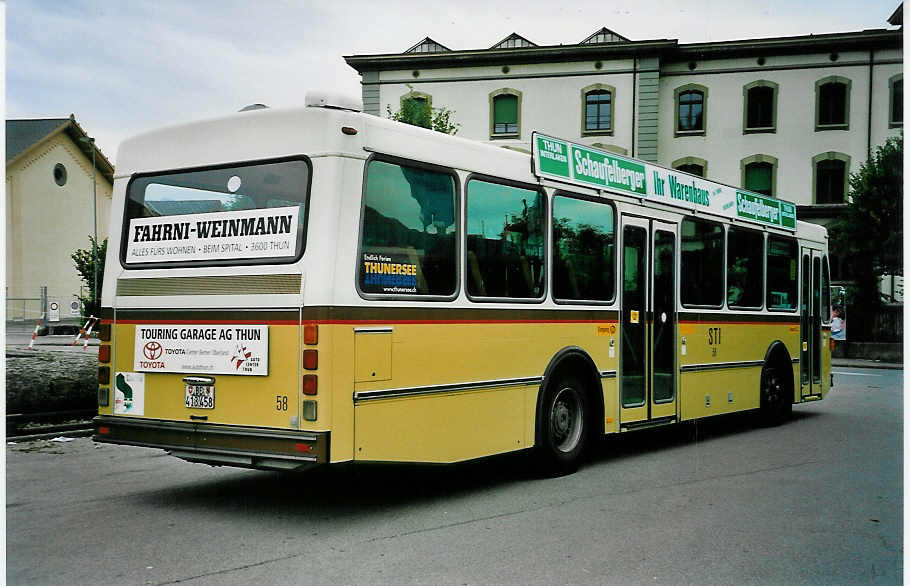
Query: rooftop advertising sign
x=582, y=165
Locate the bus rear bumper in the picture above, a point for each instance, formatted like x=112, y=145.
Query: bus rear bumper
x=218, y=445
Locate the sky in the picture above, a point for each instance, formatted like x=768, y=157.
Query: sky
x=127, y=67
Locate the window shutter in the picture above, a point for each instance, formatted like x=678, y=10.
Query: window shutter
x=758, y=178
x=505, y=109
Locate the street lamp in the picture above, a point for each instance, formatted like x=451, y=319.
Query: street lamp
x=91, y=142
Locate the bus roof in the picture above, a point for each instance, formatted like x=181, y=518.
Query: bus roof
x=280, y=132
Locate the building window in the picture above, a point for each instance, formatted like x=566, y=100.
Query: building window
x=830, y=173
x=597, y=113
x=690, y=109
x=513, y=41
x=691, y=165
x=417, y=106
x=611, y=148
x=896, y=109
x=60, y=174
x=832, y=103
x=759, y=174
x=760, y=107
x=428, y=45
x=505, y=113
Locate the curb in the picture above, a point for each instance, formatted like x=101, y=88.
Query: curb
x=46, y=436
x=848, y=363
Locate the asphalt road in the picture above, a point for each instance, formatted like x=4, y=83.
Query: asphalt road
x=817, y=500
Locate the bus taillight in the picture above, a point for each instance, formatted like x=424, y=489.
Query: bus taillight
x=310, y=334
x=104, y=353
x=310, y=359
x=309, y=384
x=104, y=375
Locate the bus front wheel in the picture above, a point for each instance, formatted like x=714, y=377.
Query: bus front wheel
x=562, y=426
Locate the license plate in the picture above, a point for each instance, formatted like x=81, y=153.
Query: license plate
x=200, y=396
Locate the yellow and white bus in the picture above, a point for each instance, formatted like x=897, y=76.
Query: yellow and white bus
x=286, y=288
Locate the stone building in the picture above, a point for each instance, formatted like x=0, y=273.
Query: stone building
x=788, y=116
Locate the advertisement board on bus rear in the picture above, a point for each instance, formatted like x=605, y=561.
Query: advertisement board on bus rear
x=202, y=349
x=245, y=234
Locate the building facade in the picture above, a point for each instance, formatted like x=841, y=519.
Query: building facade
x=49, y=211
x=790, y=117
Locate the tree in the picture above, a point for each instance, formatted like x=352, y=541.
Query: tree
x=869, y=237
x=417, y=111
x=85, y=266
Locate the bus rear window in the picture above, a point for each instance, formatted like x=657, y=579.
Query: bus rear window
x=243, y=214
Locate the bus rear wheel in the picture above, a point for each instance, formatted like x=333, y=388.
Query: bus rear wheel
x=776, y=405
x=562, y=427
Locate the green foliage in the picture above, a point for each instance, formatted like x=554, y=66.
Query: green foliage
x=442, y=121
x=869, y=237
x=85, y=266
x=417, y=111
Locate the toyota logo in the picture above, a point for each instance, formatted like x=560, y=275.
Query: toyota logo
x=152, y=350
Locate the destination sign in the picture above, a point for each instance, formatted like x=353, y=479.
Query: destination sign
x=578, y=164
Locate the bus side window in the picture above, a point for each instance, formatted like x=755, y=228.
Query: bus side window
x=745, y=268
x=505, y=233
x=408, y=232
x=826, y=292
x=702, y=251
x=584, y=234
x=782, y=260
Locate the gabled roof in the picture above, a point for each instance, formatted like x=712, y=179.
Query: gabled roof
x=602, y=36
x=513, y=41
x=428, y=45
x=22, y=135
x=669, y=50
x=897, y=17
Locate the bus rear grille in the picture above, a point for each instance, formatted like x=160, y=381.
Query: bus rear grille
x=227, y=285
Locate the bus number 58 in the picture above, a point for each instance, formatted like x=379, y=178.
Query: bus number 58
x=281, y=403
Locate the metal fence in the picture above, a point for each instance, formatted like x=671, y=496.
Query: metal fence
x=55, y=308
x=23, y=308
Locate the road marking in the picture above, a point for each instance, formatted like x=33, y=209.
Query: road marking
x=855, y=373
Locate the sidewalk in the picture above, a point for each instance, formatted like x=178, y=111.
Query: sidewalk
x=859, y=363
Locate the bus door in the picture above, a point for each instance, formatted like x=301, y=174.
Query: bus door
x=811, y=317
x=648, y=379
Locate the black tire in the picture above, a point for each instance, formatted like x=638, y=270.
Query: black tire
x=562, y=426
x=776, y=398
